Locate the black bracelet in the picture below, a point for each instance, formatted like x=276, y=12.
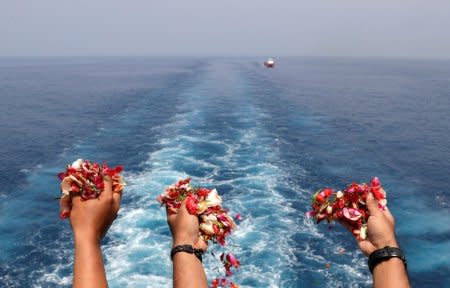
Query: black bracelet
x=188, y=249
x=384, y=254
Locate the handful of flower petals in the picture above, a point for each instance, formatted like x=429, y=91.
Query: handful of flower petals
x=85, y=178
x=348, y=206
x=215, y=222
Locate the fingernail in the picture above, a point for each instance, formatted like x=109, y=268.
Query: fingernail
x=370, y=196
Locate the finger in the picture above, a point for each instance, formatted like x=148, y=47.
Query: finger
x=65, y=204
x=171, y=214
x=388, y=213
x=170, y=219
x=372, y=205
x=201, y=244
x=366, y=247
x=75, y=201
x=107, y=189
x=183, y=208
x=184, y=211
x=117, y=198
x=65, y=201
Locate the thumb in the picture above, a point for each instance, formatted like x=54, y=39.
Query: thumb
x=201, y=244
x=65, y=201
x=64, y=207
x=372, y=205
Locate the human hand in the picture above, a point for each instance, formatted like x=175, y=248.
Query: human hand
x=380, y=228
x=185, y=228
x=91, y=219
x=187, y=270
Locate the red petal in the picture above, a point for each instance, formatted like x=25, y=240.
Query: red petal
x=64, y=214
x=62, y=175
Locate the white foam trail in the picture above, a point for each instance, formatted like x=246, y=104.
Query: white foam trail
x=264, y=240
x=139, y=252
x=137, y=255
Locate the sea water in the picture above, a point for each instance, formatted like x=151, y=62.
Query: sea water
x=265, y=138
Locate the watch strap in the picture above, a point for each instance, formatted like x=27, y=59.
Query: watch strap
x=187, y=249
x=384, y=254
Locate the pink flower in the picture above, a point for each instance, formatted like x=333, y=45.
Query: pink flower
x=310, y=214
x=233, y=261
x=375, y=181
x=351, y=214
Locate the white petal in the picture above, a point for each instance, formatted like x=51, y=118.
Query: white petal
x=66, y=186
x=207, y=228
x=363, y=233
x=213, y=198
x=209, y=218
x=73, y=178
x=329, y=209
x=77, y=164
x=201, y=207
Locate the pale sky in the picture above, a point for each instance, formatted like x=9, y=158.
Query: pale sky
x=358, y=28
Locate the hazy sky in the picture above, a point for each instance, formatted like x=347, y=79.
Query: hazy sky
x=386, y=28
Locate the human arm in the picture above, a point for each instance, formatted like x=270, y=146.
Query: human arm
x=187, y=268
x=381, y=233
x=90, y=220
x=89, y=270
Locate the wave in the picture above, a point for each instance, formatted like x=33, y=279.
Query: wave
x=221, y=140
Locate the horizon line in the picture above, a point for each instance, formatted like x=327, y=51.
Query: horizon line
x=225, y=55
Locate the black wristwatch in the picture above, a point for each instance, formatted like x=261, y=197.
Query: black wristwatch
x=188, y=249
x=384, y=254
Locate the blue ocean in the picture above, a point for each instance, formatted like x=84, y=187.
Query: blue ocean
x=265, y=138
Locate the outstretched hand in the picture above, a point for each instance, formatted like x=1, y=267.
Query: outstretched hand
x=188, y=271
x=185, y=228
x=380, y=228
x=91, y=219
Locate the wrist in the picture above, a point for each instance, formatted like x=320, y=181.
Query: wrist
x=390, y=242
x=183, y=240
x=86, y=238
x=388, y=264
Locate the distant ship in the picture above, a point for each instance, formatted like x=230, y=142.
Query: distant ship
x=269, y=63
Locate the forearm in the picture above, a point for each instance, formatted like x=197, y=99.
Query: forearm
x=188, y=271
x=390, y=273
x=89, y=270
